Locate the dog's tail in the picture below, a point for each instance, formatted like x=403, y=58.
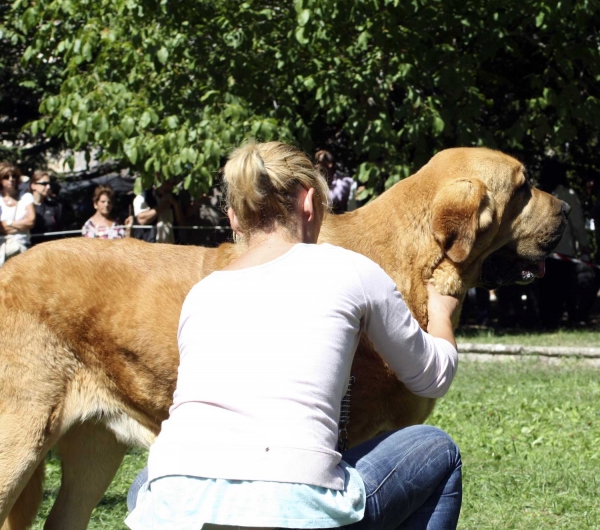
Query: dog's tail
x=25, y=509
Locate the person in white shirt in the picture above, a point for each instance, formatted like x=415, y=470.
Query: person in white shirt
x=158, y=209
x=266, y=346
x=17, y=215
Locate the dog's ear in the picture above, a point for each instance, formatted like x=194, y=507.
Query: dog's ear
x=460, y=209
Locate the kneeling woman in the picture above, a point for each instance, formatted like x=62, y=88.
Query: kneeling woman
x=266, y=347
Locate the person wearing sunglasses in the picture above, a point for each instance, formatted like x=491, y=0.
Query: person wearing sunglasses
x=48, y=213
x=17, y=214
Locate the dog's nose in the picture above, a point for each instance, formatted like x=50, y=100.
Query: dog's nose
x=565, y=208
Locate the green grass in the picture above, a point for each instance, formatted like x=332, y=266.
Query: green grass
x=530, y=440
x=561, y=337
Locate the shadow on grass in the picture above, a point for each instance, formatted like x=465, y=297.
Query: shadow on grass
x=111, y=500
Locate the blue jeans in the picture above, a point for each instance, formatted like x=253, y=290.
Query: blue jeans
x=412, y=479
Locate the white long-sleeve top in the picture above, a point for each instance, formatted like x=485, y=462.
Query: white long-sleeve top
x=266, y=353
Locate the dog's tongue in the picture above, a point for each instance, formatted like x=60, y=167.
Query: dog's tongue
x=535, y=270
x=541, y=269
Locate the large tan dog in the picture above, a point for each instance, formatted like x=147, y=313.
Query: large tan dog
x=88, y=355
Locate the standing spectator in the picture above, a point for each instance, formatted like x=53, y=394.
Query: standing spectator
x=48, y=212
x=102, y=224
x=17, y=214
x=158, y=208
x=567, y=285
x=340, y=186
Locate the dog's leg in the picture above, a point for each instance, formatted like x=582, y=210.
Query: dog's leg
x=23, y=445
x=25, y=509
x=33, y=374
x=90, y=458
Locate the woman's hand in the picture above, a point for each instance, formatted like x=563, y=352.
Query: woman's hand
x=440, y=309
x=440, y=304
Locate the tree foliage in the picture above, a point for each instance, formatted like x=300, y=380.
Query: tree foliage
x=21, y=90
x=168, y=87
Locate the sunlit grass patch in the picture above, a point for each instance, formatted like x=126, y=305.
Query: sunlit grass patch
x=530, y=439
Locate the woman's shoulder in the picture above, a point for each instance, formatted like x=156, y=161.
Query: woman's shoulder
x=26, y=198
x=88, y=228
x=335, y=252
x=360, y=264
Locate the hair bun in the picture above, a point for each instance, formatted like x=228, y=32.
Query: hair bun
x=262, y=182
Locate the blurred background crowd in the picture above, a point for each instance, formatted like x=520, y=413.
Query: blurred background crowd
x=40, y=207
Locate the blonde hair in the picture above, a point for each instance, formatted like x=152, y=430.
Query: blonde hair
x=262, y=182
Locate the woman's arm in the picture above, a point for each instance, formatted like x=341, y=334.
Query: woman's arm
x=23, y=224
x=147, y=217
x=424, y=362
x=440, y=309
x=88, y=229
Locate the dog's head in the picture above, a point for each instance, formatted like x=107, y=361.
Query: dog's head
x=492, y=226
x=468, y=218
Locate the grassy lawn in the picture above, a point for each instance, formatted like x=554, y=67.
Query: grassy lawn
x=529, y=436
x=530, y=440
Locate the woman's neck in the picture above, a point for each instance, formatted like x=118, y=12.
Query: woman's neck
x=99, y=218
x=275, y=238
x=37, y=197
x=263, y=247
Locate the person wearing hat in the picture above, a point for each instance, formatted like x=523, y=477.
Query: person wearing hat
x=17, y=214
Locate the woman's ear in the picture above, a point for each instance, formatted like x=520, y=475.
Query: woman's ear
x=233, y=221
x=308, y=206
x=311, y=218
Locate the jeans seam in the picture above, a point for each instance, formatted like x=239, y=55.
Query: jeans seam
x=392, y=471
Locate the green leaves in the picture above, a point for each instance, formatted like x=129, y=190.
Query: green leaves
x=130, y=149
x=300, y=37
x=303, y=17
x=128, y=125
x=383, y=84
x=162, y=55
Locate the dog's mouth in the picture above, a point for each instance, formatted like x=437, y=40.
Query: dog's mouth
x=508, y=266
x=501, y=268
x=534, y=270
